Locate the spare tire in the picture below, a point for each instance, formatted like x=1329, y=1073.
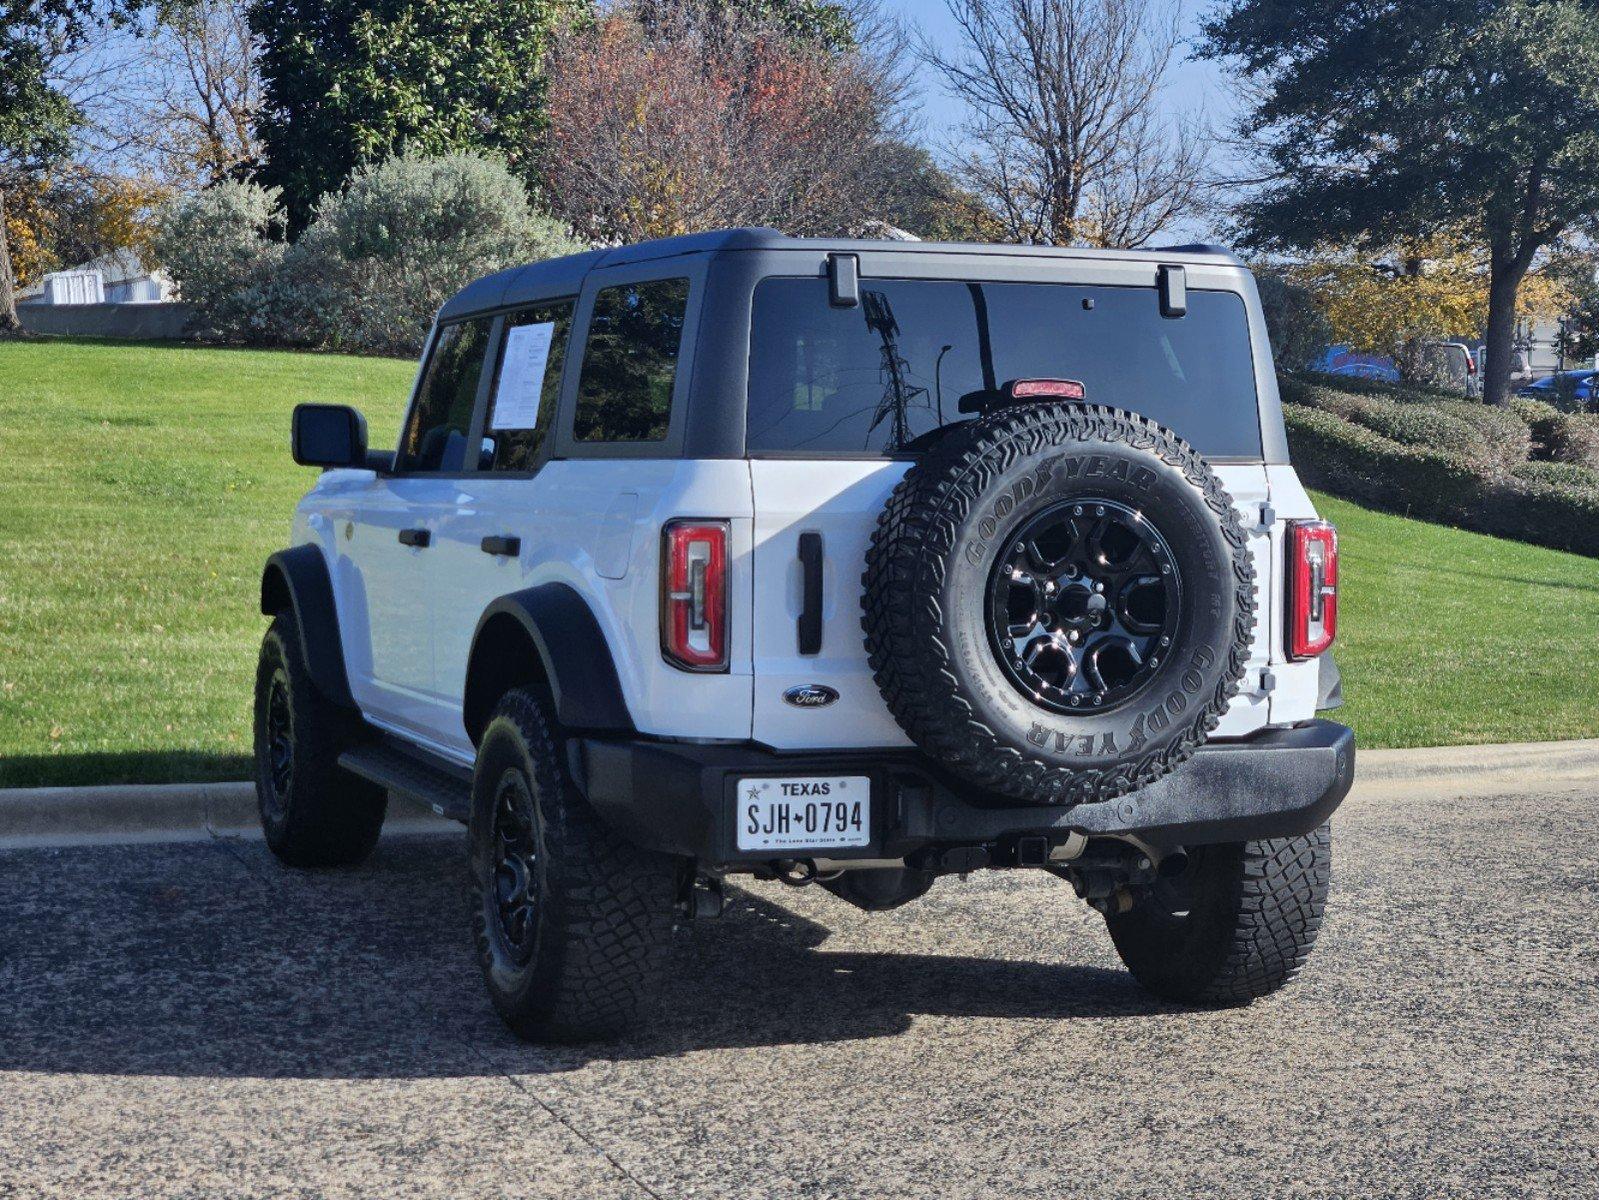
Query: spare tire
x=1059, y=602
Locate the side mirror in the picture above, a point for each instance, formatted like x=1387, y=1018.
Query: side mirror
x=328, y=435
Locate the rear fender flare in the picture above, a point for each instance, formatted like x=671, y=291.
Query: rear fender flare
x=546, y=637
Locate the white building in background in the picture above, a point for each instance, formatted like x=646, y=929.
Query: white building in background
x=115, y=278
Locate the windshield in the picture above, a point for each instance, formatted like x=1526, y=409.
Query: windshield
x=881, y=375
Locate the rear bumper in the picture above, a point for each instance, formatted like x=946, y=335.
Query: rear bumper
x=679, y=797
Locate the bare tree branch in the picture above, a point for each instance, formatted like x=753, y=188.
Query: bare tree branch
x=1066, y=141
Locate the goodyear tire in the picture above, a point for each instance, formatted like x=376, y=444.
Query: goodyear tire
x=313, y=812
x=571, y=922
x=1237, y=925
x=1059, y=602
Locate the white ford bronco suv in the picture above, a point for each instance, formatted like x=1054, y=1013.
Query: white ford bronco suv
x=839, y=563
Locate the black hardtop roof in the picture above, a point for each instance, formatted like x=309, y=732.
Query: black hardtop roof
x=565, y=275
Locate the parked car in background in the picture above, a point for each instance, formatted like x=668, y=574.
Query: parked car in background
x=1453, y=366
x=1341, y=360
x=1575, y=386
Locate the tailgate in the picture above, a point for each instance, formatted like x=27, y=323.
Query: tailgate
x=840, y=499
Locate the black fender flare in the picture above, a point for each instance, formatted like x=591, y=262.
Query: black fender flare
x=547, y=636
x=297, y=579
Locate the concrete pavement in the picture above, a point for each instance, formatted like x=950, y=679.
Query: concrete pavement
x=191, y=1019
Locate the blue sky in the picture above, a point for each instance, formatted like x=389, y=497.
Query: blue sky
x=1192, y=86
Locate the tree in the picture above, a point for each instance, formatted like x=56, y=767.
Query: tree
x=661, y=126
x=36, y=118
x=1395, y=121
x=191, y=93
x=1393, y=300
x=915, y=194
x=1066, y=142
x=348, y=82
x=1298, y=329
x=829, y=27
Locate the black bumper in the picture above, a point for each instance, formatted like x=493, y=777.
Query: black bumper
x=679, y=797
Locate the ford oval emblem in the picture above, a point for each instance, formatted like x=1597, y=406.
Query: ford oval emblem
x=810, y=695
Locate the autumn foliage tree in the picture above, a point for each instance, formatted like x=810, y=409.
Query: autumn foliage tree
x=1393, y=299
x=666, y=126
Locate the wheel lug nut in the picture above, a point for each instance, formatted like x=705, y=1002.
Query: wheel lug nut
x=1077, y=510
x=1099, y=510
x=1165, y=641
x=1018, y=548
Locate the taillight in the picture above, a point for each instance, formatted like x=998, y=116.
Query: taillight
x=1312, y=587
x=694, y=595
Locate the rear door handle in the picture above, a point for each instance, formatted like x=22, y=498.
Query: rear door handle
x=809, y=626
x=499, y=544
x=415, y=537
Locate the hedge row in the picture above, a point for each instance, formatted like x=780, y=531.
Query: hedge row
x=1530, y=502
x=1560, y=437
x=1495, y=439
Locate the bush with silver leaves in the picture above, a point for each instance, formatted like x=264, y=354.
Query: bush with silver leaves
x=218, y=247
x=381, y=255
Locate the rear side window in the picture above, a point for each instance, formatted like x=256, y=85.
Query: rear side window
x=435, y=435
x=876, y=377
x=630, y=362
x=527, y=384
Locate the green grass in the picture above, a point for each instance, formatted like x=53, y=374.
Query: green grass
x=1449, y=638
x=141, y=487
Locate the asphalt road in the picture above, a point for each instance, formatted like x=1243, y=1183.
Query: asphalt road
x=193, y=1020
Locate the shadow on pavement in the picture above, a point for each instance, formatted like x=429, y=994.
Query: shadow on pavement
x=211, y=960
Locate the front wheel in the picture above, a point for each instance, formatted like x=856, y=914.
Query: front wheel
x=572, y=922
x=1234, y=926
x=313, y=812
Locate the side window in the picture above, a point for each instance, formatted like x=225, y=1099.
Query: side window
x=630, y=362
x=527, y=383
x=435, y=435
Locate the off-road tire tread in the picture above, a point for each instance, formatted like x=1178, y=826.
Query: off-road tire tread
x=334, y=818
x=905, y=565
x=610, y=905
x=1269, y=924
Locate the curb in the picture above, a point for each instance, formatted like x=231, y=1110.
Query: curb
x=133, y=813
x=1477, y=770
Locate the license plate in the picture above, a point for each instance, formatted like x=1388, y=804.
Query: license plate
x=813, y=813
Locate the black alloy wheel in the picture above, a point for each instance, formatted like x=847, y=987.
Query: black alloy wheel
x=279, y=745
x=516, y=864
x=1083, y=604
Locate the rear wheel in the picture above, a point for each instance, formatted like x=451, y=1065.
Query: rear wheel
x=572, y=923
x=1235, y=925
x=313, y=813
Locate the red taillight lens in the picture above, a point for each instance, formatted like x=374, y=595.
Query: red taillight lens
x=694, y=595
x=1312, y=587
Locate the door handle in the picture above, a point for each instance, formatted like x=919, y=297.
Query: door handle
x=499, y=544
x=415, y=537
x=809, y=626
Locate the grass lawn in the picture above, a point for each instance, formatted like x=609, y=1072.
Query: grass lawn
x=1447, y=638
x=143, y=486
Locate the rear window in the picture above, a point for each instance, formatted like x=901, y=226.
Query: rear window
x=630, y=363
x=876, y=377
